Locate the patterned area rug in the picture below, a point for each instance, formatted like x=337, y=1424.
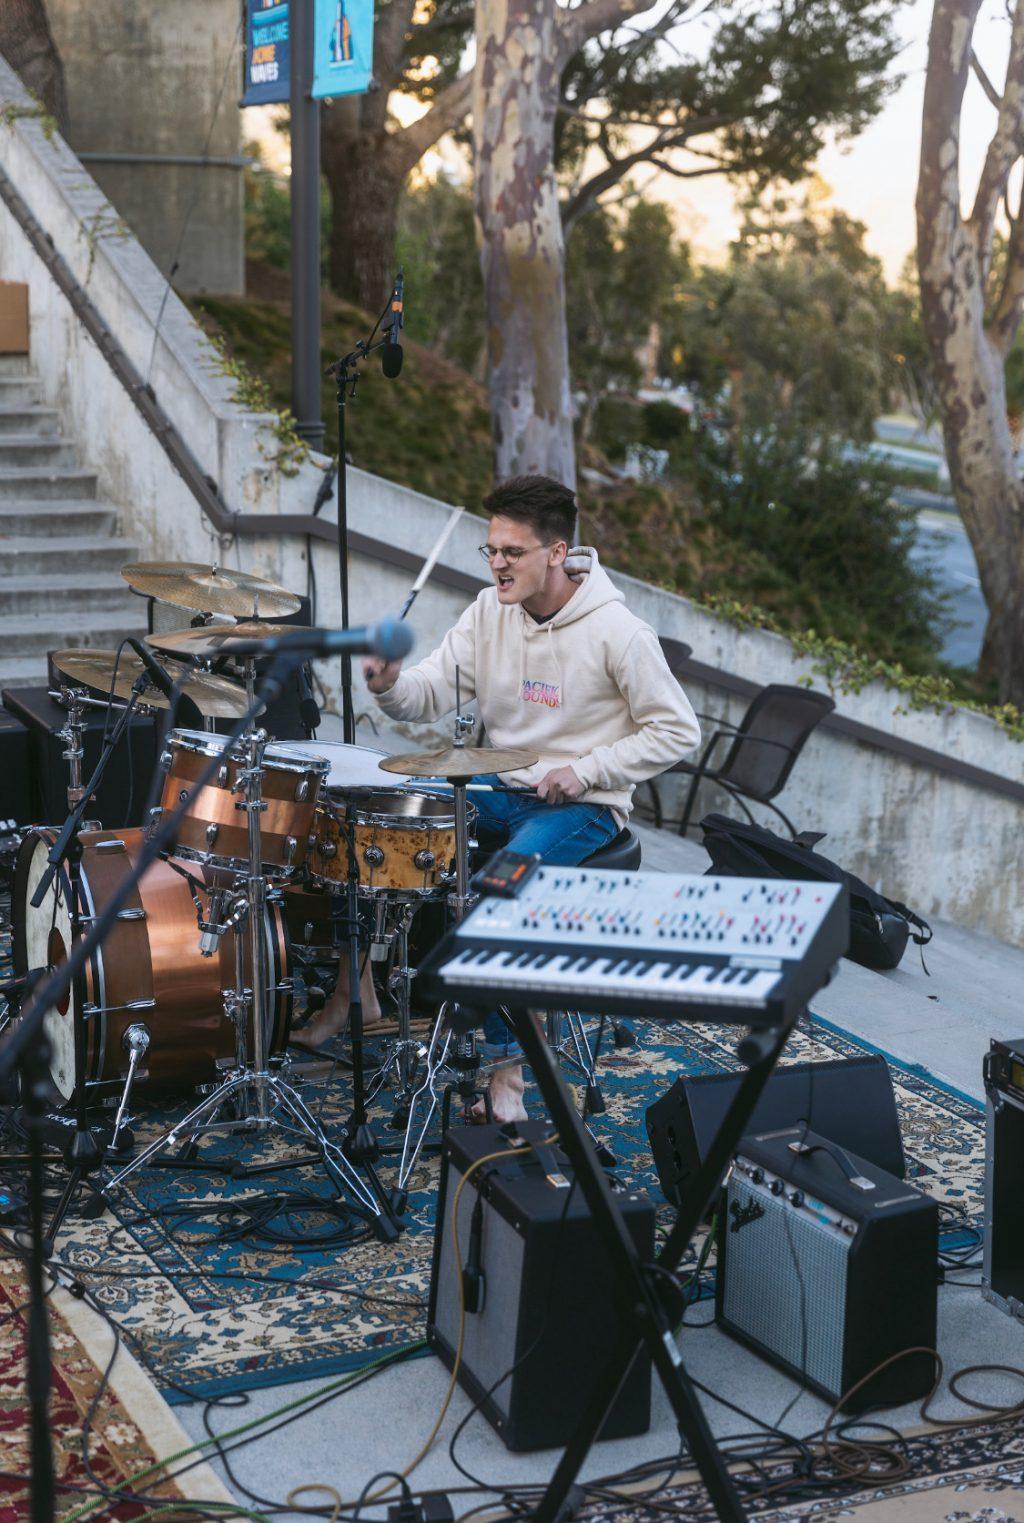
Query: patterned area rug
x=210, y=1310
x=131, y=1428
x=962, y=1476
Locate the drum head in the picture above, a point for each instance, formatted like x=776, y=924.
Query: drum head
x=351, y=766
x=43, y=940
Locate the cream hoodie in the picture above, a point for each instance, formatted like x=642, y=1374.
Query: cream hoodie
x=589, y=688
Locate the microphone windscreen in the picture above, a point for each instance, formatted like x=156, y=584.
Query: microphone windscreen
x=391, y=360
x=391, y=639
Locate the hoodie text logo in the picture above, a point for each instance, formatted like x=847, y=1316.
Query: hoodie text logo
x=548, y=693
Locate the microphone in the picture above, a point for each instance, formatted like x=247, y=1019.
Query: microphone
x=309, y=709
x=389, y=638
x=391, y=353
x=187, y=708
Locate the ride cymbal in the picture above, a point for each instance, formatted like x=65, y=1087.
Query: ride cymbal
x=215, y=639
x=210, y=589
x=458, y=761
x=215, y=697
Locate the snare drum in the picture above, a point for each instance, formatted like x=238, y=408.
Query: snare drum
x=214, y=831
x=352, y=768
x=404, y=841
x=148, y=969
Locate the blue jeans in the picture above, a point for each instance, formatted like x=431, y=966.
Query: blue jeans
x=562, y=834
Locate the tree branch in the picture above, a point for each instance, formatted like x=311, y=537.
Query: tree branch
x=590, y=20
x=1003, y=150
x=983, y=79
x=448, y=110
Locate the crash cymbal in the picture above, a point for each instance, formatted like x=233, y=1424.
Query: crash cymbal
x=216, y=697
x=210, y=589
x=215, y=639
x=458, y=761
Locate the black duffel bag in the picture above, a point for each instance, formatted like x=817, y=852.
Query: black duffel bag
x=879, y=927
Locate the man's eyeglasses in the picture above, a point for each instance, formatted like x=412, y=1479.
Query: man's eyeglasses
x=511, y=553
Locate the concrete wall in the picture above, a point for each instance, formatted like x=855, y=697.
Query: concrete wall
x=162, y=78
x=946, y=847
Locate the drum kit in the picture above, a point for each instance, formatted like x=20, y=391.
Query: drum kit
x=290, y=860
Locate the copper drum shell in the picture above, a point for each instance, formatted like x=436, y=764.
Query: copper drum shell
x=153, y=957
x=404, y=841
x=214, y=828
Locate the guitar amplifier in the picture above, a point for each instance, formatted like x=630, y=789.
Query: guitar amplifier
x=827, y=1266
x=533, y=1265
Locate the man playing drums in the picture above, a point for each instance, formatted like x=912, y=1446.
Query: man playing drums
x=558, y=666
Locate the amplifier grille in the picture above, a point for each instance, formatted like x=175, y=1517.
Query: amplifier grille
x=762, y=1295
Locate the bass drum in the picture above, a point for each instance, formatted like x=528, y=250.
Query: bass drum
x=148, y=970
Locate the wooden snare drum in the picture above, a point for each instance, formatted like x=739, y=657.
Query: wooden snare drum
x=147, y=970
x=213, y=831
x=404, y=840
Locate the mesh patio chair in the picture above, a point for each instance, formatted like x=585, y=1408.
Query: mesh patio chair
x=763, y=750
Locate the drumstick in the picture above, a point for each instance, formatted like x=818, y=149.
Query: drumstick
x=431, y=560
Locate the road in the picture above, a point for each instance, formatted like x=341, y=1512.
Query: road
x=943, y=543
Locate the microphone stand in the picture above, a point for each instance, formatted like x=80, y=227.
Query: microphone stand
x=345, y=373
x=84, y=1151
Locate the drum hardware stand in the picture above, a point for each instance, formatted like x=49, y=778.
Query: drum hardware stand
x=361, y=1145
x=444, y=1043
x=135, y=1043
x=255, y=1087
x=646, y=1318
x=84, y=1152
x=30, y=1054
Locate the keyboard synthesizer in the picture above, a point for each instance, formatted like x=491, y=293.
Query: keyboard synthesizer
x=671, y=946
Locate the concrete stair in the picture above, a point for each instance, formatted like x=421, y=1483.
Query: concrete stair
x=60, y=552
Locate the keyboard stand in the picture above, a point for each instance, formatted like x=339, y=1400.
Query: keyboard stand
x=648, y=1322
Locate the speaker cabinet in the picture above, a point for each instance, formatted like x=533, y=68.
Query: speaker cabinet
x=548, y=1314
x=849, y=1100
x=1003, y=1269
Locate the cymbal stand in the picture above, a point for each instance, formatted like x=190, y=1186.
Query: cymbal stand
x=258, y=1092
x=452, y=1060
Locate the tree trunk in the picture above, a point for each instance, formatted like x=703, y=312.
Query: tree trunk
x=968, y=354
x=27, y=43
x=365, y=184
x=515, y=95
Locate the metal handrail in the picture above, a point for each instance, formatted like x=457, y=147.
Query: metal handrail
x=308, y=526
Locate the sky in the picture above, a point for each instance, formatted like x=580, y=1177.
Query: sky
x=874, y=178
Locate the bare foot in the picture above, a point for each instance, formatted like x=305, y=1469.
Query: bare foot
x=506, y=1088
x=333, y=1018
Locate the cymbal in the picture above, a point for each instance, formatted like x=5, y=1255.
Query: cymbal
x=458, y=761
x=215, y=639
x=216, y=697
x=210, y=589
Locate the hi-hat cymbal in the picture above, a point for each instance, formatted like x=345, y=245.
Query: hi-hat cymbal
x=210, y=589
x=215, y=639
x=458, y=761
x=216, y=697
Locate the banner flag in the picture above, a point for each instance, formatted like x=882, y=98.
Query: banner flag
x=342, y=47
x=266, y=53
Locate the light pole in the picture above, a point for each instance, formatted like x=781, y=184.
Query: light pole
x=305, y=223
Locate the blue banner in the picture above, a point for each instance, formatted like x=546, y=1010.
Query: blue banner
x=342, y=47
x=266, y=53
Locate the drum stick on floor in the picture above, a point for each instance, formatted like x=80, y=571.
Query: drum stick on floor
x=431, y=560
